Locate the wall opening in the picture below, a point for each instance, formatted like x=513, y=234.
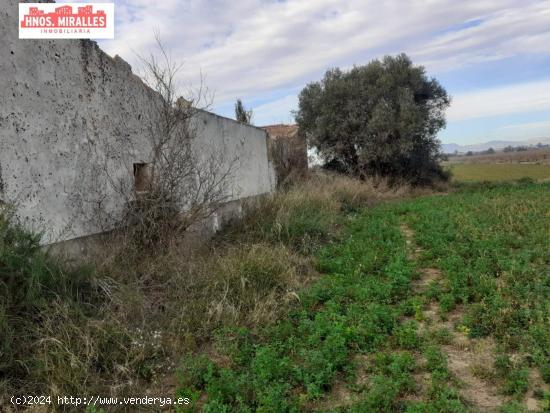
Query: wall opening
x=143, y=178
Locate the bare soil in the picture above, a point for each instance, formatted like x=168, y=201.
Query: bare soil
x=467, y=358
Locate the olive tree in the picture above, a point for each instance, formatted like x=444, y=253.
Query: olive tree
x=380, y=119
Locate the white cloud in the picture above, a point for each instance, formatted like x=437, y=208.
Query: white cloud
x=277, y=111
x=543, y=125
x=251, y=48
x=509, y=31
x=520, y=98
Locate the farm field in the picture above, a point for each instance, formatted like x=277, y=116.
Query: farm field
x=528, y=156
x=469, y=172
x=436, y=304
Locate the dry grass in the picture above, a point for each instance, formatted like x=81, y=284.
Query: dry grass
x=149, y=308
x=249, y=274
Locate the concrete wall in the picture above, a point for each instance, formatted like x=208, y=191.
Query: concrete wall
x=64, y=106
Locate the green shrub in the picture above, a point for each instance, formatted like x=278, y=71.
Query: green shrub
x=446, y=303
x=194, y=372
x=407, y=336
x=545, y=372
x=442, y=336
x=517, y=382
x=435, y=360
x=445, y=400
x=381, y=397
x=503, y=365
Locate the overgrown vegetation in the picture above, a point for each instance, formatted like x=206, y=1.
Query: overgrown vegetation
x=52, y=329
x=311, y=303
x=122, y=324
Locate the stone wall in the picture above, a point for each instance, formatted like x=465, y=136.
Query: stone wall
x=59, y=100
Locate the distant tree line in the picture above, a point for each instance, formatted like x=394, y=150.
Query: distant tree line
x=489, y=151
x=523, y=148
x=507, y=149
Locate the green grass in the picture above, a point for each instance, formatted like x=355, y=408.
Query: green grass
x=469, y=172
x=491, y=243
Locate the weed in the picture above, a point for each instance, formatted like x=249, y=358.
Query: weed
x=545, y=372
x=482, y=371
x=513, y=407
x=407, y=336
x=366, y=289
x=435, y=360
x=446, y=303
x=442, y=336
x=503, y=365
x=517, y=382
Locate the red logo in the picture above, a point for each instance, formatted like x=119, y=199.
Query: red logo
x=64, y=17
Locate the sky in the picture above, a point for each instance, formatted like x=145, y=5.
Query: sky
x=492, y=56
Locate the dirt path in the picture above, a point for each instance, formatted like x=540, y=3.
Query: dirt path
x=469, y=360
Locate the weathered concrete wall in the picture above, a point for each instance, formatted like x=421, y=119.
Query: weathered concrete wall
x=59, y=101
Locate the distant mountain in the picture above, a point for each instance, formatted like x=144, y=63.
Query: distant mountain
x=452, y=147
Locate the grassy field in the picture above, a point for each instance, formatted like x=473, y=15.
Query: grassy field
x=541, y=156
x=469, y=172
x=337, y=295
x=438, y=304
